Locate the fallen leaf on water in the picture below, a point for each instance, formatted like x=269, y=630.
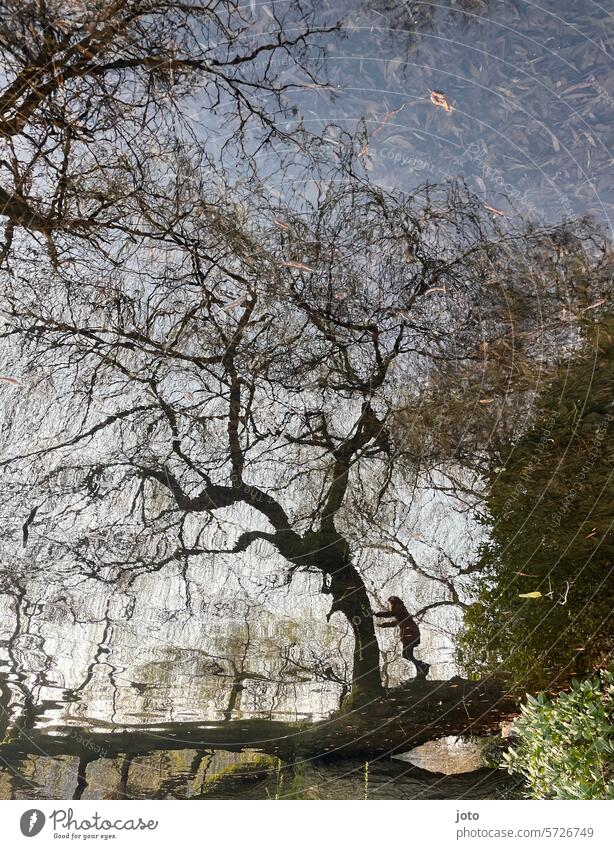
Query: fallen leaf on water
x=234, y=304
x=535, y=594
x=595, y=305
x=365, y=149
x=387, y=118
x=300, y=265
x=438, y=98
x=493, y=209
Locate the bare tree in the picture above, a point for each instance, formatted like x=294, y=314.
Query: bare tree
x=91, y=91
x=235, y=375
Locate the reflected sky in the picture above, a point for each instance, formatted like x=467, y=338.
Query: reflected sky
x=530, y=95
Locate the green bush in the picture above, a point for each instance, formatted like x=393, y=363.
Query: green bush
x=565, y=747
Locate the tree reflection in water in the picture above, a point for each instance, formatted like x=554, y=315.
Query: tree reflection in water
x=251, y=390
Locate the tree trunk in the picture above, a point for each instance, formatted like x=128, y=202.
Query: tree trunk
x=399, y=721
x=330, y=554
x=350, y=598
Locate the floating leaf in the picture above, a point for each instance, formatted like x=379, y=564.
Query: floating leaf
x=300, y=265
x=438, y=98
x=234, y=304
x=365, y=149
x=595, y=305
x=387, y=118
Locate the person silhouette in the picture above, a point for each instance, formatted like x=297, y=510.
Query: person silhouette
x=409, y=632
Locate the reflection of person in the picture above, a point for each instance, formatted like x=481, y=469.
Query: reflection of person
x=409, y=632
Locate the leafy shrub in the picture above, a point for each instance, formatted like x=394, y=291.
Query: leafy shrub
x=565, y=747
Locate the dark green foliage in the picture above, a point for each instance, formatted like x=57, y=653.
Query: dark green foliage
x=550, y=508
